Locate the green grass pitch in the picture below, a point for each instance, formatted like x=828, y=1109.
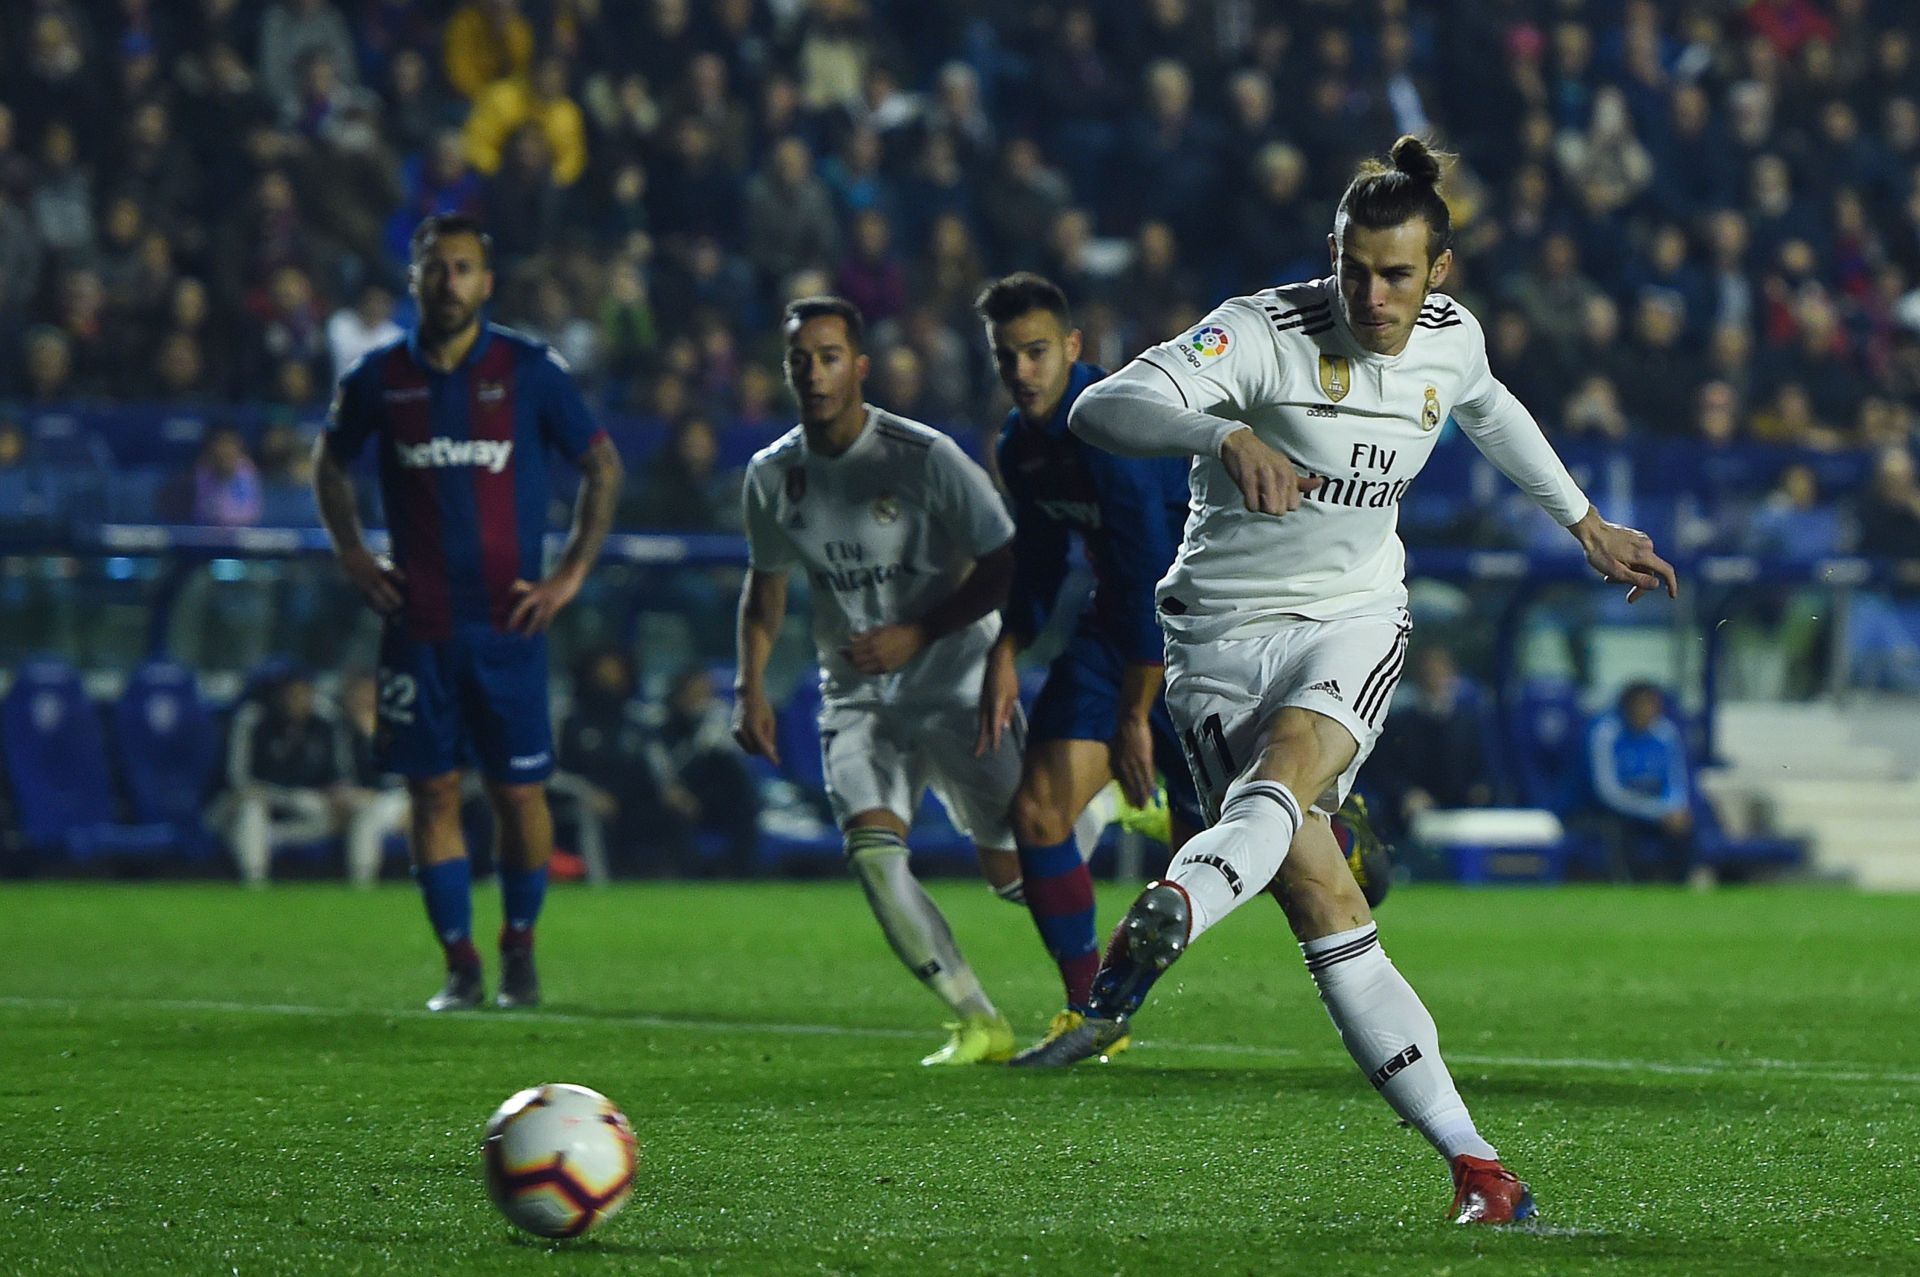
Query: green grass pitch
x=198, y=1079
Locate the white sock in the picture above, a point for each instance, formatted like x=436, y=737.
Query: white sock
x=1391, y=1035
x=1093, y=821
x=1224, y=867
x=913, y=924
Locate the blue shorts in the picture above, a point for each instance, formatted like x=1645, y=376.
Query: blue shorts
x=1081, y=701
x=476, y=699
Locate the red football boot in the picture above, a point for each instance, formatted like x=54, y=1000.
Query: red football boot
x=1486, y=1192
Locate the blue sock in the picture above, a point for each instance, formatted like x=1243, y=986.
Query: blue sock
x=1060, y=897
x=447, y=889
x=522, y=891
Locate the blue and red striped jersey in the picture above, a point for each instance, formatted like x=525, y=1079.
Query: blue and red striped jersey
x=1129, y=513
x=463, y=467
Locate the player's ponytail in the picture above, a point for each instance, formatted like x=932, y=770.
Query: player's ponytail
x=1404, y=186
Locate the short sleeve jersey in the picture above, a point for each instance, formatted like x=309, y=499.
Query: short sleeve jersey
x=1284, y=362
x=463, y=467
x=884, y=531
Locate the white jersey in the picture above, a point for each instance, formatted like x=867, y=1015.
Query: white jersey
x=1284, y=362
x=885, y=531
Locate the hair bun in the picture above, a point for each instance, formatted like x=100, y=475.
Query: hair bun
x=1411, y=156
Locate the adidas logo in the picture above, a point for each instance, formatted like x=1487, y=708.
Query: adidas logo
x=1330, y=686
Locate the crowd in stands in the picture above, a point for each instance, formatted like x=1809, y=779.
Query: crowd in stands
x=1696, y=220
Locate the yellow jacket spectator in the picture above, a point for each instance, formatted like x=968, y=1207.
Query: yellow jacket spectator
x=487, y=40
x=542, y=102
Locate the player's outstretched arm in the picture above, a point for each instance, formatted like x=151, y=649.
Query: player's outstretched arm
x=1624, y=556
x=1140, y=412
x=763, y=607
x=601, y=475
x=381, y=584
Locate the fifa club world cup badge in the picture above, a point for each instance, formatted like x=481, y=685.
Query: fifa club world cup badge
x=1430, y=410
x=1336, y=377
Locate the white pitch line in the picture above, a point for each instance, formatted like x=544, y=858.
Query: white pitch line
x=1812, y=1071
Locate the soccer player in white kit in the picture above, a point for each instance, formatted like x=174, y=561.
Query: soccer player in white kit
x=909, y=553
x=1310, y=408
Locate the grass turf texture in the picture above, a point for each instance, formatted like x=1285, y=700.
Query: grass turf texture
x=199, y=1079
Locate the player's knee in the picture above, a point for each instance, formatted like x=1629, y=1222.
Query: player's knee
x=1037, y=820
x=514, y=800
x=435, y=797
x=872, y=849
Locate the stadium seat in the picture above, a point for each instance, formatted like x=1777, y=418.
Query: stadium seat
x=1546, y=744
x=168, y=745
x=57, y=765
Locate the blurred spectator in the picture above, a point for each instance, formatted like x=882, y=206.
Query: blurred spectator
x=46, y=362
x=523, y=202
x=438, y=181
x=1888, y=513
x=1788, y=418
x=1657, y=392
x=551, y=318
x=694, y=193
x=684, y=489
x=289, y=327
x=936, y=187
x=486, y=41
x=607, y=769
x=1817, y=360
x=508, y=107
x=707, y=97
x=691, y=738
x=1793, y=522
x=290, y=776
x=21, y=256
x=179, y=375
x=789, y=215
x=947, y=275
x=1594, y=408
x=226, y=483
x=1607, y=159
x=293, y=29
x=63, y=194
x=1171, y=163
x=1277, y=227
x=159, y=173
x=900, y=386
x=354, y=330
x=856, y=176
x=1021, y=202
x=1434, y=752
x=1716, y=414
x=1554, y=296
x=1642, y=787
x=629, y=331
x=833, y=53
x=1524, y=364
x=416, y=112
x=870, y=275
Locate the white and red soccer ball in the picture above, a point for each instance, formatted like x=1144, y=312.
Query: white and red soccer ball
x=559, y=1158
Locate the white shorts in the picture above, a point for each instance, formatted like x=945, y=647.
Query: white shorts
x=1224, y=694
x=885, y=757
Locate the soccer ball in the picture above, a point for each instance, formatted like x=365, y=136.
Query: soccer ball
x=559, y=1159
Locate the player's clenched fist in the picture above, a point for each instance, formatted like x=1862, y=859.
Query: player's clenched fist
x=1266, y=479
x=753, y=724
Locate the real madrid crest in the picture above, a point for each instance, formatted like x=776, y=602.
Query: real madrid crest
x=886, y=508
x=1430, y=410
x=1336, y=376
